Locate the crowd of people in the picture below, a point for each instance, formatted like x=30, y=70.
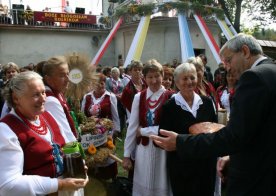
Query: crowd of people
x=155, y=105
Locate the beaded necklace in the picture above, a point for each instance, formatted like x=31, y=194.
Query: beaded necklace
x=150, y=115
x=40, y=129
x=152, y=104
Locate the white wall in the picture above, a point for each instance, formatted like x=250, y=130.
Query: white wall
x=23, y=46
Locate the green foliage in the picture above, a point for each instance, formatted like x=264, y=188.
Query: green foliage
x=105, y=20
x=145, y=9
x=120, y=154
x=261, y=33
x=265, y=34
x=262, y=11
x=181, y=7
x=197, y=7
x=81, y=118
x=231, y=6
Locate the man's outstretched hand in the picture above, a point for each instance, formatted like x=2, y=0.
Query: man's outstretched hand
x=167, y=142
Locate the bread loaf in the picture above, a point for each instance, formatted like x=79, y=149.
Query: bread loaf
x=205, y=127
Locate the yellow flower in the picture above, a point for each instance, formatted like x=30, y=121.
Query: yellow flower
x=110, y=144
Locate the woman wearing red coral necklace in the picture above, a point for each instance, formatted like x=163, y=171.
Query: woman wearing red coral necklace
x=30, y=142
x=144, y=121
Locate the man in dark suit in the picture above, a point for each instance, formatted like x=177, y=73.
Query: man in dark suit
x=249, y=137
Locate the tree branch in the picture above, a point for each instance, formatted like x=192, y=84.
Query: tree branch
x=237, y=21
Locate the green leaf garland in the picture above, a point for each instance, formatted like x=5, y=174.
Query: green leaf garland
x=182, y=7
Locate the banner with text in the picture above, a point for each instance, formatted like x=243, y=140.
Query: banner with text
x=64, y=17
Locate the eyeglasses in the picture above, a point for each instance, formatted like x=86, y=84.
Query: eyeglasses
x=228, y=60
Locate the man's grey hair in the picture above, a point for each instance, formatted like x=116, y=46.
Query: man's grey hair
x=235, y=44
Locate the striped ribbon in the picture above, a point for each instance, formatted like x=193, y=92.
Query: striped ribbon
x=106, y=43
x=186, y=44
x=223, y=26
x=208, y=37
x=227, y=29
x=137, y=45
x=230, y=25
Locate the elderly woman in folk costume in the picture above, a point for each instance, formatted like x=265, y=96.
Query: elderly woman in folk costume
x=10, y=70
x=188, y=177
x=55, y=75
x=136, y=84
x=150, y=176
x=30, y=143
x=115, y=85
x=102, y=104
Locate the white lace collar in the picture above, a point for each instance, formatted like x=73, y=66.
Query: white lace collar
x=179, y=100
x=98, y=100
x=155, y=95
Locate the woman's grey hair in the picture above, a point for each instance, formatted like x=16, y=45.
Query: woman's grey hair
x=196, y=61
x=10, y=65
x=183, y=68
x=17, y=85
x=115, y=69
x=237, y=42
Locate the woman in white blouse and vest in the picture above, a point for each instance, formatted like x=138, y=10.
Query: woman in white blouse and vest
x=56, y=78
x=102, y=104
x=30, y=143
x=150, y=176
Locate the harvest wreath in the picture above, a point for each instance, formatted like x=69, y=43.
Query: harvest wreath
x=96, y=140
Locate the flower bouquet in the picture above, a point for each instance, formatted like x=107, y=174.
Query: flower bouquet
x=96, y=140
